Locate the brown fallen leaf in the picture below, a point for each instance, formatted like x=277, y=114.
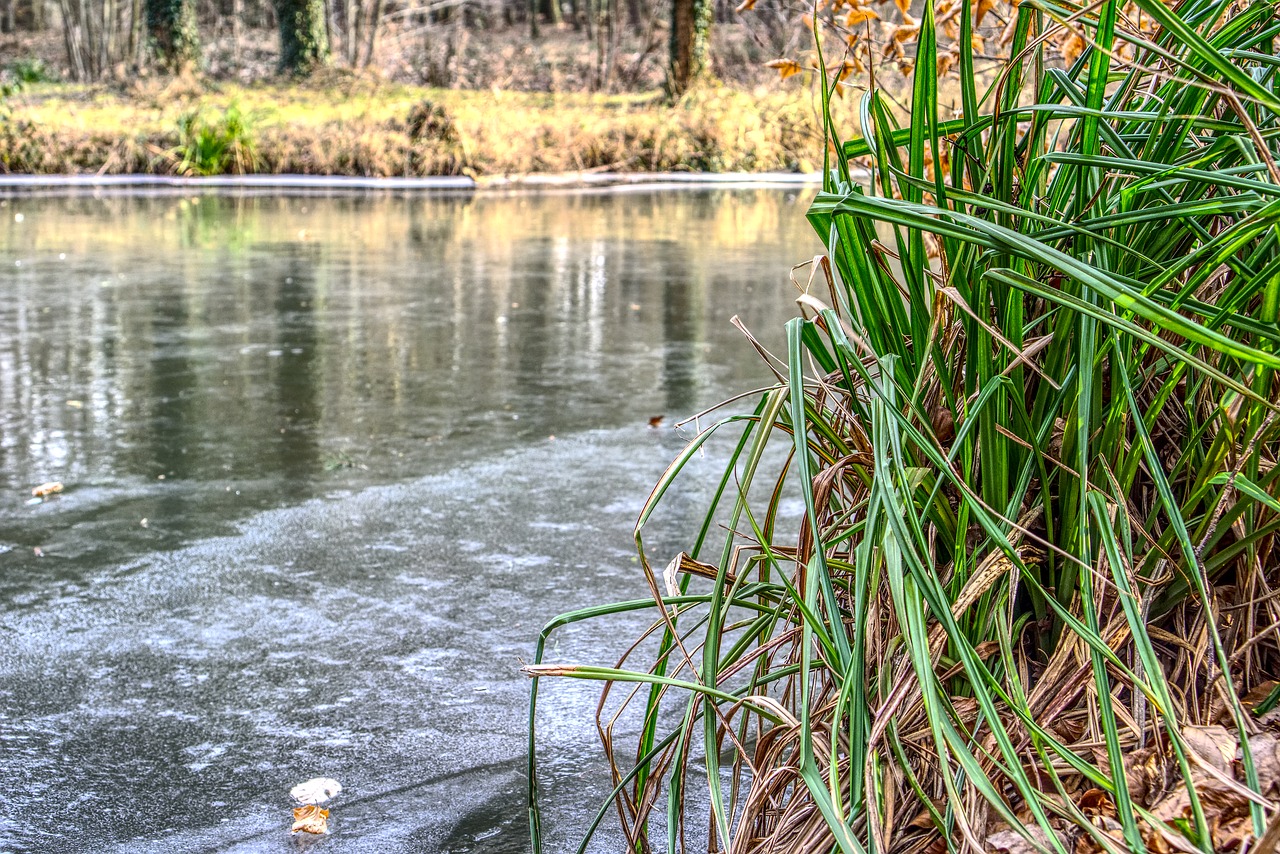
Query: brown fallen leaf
x=1012, y=842
x=1214, y=744
x=1096, y=802
x=1265, y=748
x=1144, y=773
x=310, y=819
x=1259, y=695
x=45, y=489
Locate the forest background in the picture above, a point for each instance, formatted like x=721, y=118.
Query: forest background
x=405, y=87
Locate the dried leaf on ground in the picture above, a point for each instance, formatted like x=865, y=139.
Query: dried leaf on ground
x=317, y=790
x=1013, y=842
x=1214, y=744
x=310, y=819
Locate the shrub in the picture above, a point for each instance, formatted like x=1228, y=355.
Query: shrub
x=218, y=145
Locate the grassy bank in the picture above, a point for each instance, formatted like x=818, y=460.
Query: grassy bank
x=366, y=128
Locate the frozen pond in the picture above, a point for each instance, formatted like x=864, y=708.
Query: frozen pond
x=330, y=463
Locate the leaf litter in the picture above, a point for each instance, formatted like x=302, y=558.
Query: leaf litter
x=310, y=817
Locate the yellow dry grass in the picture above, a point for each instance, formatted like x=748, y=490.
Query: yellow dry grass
x=351, y=126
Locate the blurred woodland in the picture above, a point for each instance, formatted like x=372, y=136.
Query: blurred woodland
x=523, y=45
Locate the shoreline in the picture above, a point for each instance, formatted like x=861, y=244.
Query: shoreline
x=36, y=184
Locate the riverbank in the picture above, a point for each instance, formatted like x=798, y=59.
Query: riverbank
x=18, y=185
x=373, y=129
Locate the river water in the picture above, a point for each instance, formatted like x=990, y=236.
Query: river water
x=330, y=463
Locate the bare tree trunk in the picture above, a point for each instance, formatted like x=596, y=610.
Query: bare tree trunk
x=371, y=36
x=237, y=12
x=171, y=30
x=351, y=37
x=304, y=36
x=87, y=35
x=328, y=24
x=107, y=30
x=606, y=43
x=690, y=39
x=71, y=37
x=135, y=32
x=30, y=15
x=615, y=42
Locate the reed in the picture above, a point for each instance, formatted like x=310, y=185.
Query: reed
x=1030, y=407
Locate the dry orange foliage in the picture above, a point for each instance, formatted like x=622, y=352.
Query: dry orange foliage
x=310, y=819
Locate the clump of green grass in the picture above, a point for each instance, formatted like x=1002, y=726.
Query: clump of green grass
x=1031, y=412
x=216, y=144
x=31, y=70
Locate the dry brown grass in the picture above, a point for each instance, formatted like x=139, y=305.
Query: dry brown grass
x=352, y=126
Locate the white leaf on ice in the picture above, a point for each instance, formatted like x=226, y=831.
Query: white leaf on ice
x=315, y=791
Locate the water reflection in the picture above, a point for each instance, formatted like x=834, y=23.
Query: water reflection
x=260, y=343
x=314, y=511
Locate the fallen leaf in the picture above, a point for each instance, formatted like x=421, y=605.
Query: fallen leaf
x=316, y=790
x=923, y=819
x=310, y=819
x=1265, y=748
x=45, y=489
x=1260, y=700
x=1214, y=744
x=1096, y=802
x=1012, y=842
x=656, y=421
x=1144, y=774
